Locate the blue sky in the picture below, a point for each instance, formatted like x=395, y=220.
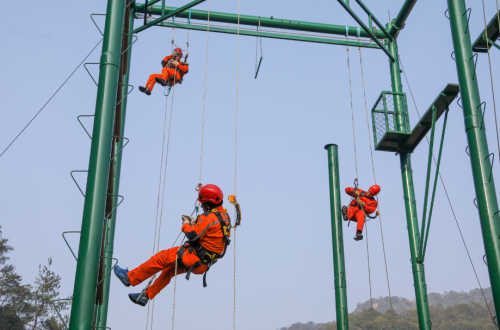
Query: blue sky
x=299, y=103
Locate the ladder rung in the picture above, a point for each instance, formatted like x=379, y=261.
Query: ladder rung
x=71, y=173
x=70, y=232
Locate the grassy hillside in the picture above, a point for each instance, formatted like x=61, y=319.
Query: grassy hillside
x=449, y=311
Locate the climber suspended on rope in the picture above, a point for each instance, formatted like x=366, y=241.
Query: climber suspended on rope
x=172, y=73
x=207, y=241
x=361, y=206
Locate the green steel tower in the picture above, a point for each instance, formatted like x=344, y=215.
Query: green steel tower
x=84, y=293
x=337, y=239
x=480, y=158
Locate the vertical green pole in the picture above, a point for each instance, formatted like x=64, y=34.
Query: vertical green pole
x=337, y=239
x=100, y=155
x=115, y=170
x=424, y=319
x=480, y=158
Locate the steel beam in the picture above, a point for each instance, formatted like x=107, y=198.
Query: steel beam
x=271, y=35
x=270, y=22
x=337, y=238
x=167, y=16
x=115, y=170
x=420, y=285
x=398, y=23
x=480, y=157
x=82, y=310
x=365, y=28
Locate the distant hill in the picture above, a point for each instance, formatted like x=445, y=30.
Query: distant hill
x=450, y=310
x=445, y=299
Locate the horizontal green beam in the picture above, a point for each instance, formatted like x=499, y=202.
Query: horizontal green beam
x=271, y=35
x=360, y=22
x=270, y=22
x=493, y=30
x=167, y=16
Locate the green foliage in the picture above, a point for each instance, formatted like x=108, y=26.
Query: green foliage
x=45, y=292
x=24, y=306
x=15, y=298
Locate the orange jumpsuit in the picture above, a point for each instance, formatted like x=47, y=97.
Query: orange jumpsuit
x=210, y=234
x=354, y=211
x=168, y=74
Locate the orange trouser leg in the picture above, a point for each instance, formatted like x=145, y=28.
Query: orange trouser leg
x=170, y=74
x=151, y=81
x=162, y=261
x=356, y=215
x=163, y=280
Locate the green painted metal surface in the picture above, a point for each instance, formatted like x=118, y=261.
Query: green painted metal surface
x=115, y=169
x=386, y=132
x=427, y=182
x=271, y=22
x=493, y=30
x=423, y=243
x=480, y=157
x=398, y=23
x=167, y=16
x=371, y=17
x=271, y=35
x=93, y=212
x=420, y=285
x=337, y=238
x=366, y=29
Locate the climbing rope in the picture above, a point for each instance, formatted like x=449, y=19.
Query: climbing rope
x=159, y=209
x=43, y=107
x=352, y=112
x=491, y=73
x=356, y=180
x=375, y=181
x=236, y=162
x=204, y=92
x=449, y=200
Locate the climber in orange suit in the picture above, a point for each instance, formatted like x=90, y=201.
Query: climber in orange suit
x=360, y=207
x=172, y=73
x=207, y=239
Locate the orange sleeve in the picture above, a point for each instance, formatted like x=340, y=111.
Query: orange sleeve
x=350, y=191
x=199, y=230
x=184, y=68
x=370, y=206
x=167, y=58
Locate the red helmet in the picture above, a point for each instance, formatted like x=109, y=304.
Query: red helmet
x=210, y=193
x=375, y=189
x=178, y=50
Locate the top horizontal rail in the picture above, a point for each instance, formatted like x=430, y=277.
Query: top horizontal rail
x=271, y=22
x=167, y=16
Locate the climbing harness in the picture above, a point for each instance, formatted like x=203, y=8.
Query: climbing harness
x=206, y=257
x=257, y=67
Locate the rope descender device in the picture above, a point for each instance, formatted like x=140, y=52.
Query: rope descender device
x=232, y=200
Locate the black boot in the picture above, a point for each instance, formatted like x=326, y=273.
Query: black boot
x=146, y=91
x=344, y=213
x=161, y=81
x=359, y=236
